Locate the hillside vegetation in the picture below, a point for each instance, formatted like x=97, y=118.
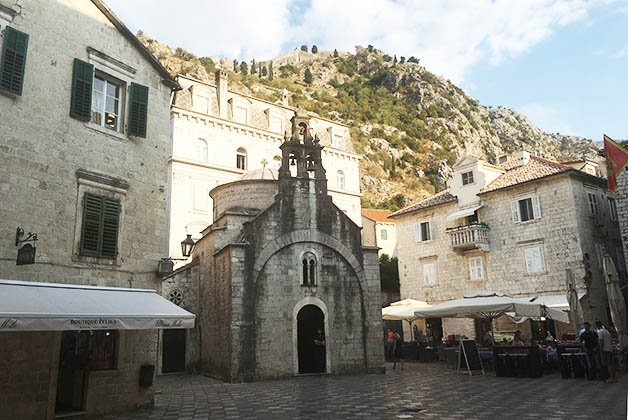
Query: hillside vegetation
x=410, y=125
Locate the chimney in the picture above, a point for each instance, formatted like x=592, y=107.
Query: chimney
x=522, y=157
x=221, y=92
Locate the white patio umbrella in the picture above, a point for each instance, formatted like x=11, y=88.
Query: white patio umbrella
x=403, y=310
x=615, y=300
x=574, y=302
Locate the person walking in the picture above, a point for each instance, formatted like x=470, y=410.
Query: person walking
x=606, y=352
x=397, y=352
x=589, y=340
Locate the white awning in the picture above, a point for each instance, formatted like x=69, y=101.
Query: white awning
x=467, y=211
x=30, y=306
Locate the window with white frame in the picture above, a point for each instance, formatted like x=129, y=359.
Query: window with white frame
x=241, y=159
x=467, y=178
x=594, y=208
x=534, y=260
x=201, y=104
x=429, y=273
x=107, y=101
x=275, y=124
x=476, y=268
x=383, y=234
x=201, y=150
x=526, y=209
x=240, y=114
x=338, y=141
x=612, y=209
x=340, y=180
x=422, y=231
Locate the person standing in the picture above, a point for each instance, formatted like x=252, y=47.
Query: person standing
x=589, y=340
x=397, y=351
x=389, y=344
x=320, y=354
x=606, y=352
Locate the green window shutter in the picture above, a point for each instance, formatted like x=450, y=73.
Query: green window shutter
x=101, y=220
x=111, y=218
x=138, y=110
x=82, y=80
x=13, y=60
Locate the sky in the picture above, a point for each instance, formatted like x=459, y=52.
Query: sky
x=562, y=63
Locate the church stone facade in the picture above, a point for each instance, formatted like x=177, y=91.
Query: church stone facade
x=280, y=262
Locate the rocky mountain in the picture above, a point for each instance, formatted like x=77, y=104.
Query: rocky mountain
x=410, y=125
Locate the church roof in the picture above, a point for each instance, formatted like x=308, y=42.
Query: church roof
x=260, y=173
x=377, y=215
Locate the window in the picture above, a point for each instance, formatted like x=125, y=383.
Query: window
x=201, y=150
x=96, y=350
x=99, y=230
x=13, y=62
x=201, y=104
x=476, y=268
x=612, y=209
x=241, y=159
x=601, y=251
x=593, y=206
x=422, y=231
x=534, y=260
x=240, y=114
x=338, y=141
x=308, y=277
x=526, y=209
x=383, y=234
x=467, y=178
x=275, y=124
x=106, y=99
x=340, y=180
x=429, y=273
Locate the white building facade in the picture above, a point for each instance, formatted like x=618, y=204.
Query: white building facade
x=219, y=134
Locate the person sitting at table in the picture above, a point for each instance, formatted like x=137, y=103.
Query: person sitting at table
x=517, y=341
x=548, y=338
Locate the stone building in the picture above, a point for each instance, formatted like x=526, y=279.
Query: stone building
x=279, y=262
x=516, y=228
x=84, y=141
x=379, y=230
x=220, y=134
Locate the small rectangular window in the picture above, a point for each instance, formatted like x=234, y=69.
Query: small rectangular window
x=13, y=60
x=240, y=114
x=476, y=268
x=467, y=178
x=275, y=124
x=422, y=231
x=612, y=209
x=201, y=104
x=525, y=209
x=429, y=273
x=534, y=260
x=106, y=101
x=383, y=234
x=338, y=141
x=594, y=209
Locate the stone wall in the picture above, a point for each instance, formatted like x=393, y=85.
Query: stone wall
x=622, y=212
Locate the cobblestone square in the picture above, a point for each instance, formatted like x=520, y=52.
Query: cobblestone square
x=421, y=391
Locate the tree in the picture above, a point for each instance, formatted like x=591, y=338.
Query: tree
x=208, y=63
x=244, y=68
x=370, y=48
x=304, y=48
x=389, y=273
x=308, y=76
x=387, y=58
x=235, y=66
x=395, y=59
x=335, y=53
x=253, y=68
x=263, y=71
x=413, y=59
x=314, y=49
x=270, y=71
x=402, y=60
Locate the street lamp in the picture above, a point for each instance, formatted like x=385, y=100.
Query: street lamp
x=187, y=245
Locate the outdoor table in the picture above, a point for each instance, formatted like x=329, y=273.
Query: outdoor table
x=451, y=356
x=517, y=361
x=573, y=361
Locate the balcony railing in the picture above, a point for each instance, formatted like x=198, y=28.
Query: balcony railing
x=469, y=237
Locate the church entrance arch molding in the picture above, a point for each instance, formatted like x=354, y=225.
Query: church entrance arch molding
x=304, y=317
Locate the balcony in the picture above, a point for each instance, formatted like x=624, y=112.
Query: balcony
x=469, y=237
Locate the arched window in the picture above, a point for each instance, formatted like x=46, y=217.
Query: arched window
x=277, y=162
x=241, y=159
x=201, y=150
x=308, y=274
x=340, y=180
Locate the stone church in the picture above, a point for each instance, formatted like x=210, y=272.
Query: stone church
x=280, y=267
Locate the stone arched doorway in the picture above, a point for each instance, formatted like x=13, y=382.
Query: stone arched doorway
x=312, y=357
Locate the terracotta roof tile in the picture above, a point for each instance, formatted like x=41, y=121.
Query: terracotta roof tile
x=536, y=168
x=378, y=215
x=437, y=199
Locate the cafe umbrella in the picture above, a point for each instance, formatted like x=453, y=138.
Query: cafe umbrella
x=574, y=301
x=615, y=300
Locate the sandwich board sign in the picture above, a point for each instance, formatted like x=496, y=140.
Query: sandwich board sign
x=469, y=357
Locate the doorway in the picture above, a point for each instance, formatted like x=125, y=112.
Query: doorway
x=312, y=354
x=482, y=331
x=173, y=354
x=73, y=363
x=435, y=327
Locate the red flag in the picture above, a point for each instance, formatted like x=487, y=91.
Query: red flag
x=616, y=161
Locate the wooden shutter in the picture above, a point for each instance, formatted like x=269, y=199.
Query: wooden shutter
x=90, y=233
x=82, y=81
x=13, y=60
x=138, y=110
x=111, y=218
x=417, y=232
x=536, y=206
x=514, y=207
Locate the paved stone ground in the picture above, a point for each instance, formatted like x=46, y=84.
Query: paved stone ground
x=421, y=391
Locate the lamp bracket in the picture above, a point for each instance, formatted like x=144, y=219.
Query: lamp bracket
x=19, y=234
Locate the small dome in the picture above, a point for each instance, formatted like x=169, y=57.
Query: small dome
x=260, y=173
